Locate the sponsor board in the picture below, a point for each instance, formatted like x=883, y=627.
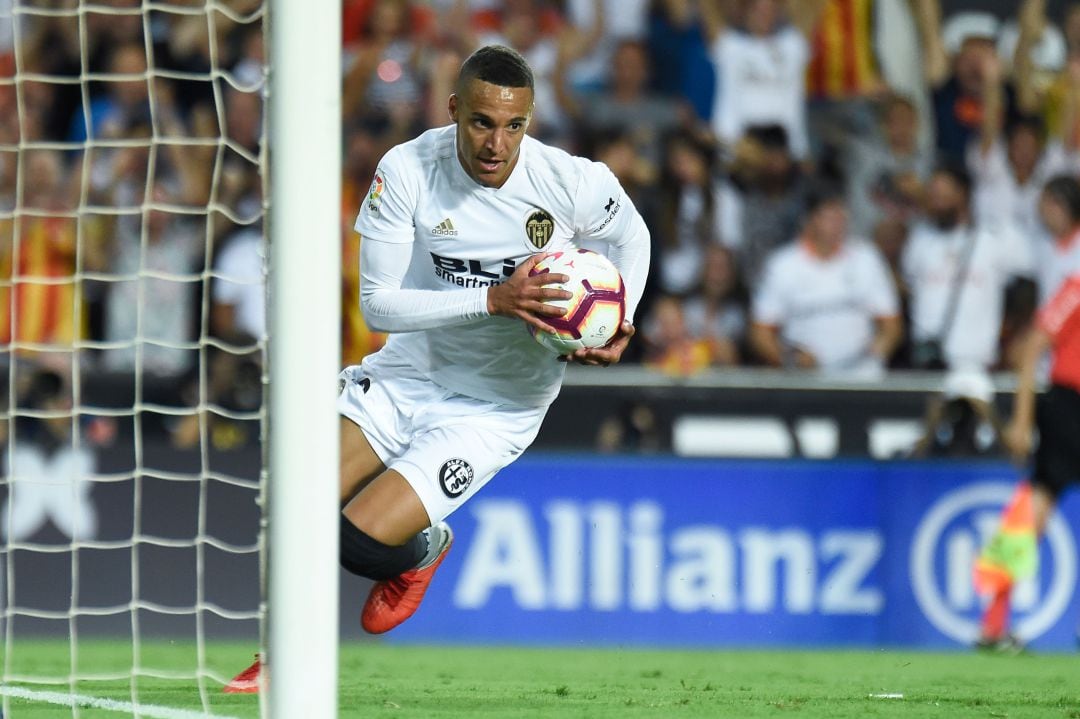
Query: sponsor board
x=736, y=553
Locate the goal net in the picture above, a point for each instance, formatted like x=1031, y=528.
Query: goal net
x=132, y=343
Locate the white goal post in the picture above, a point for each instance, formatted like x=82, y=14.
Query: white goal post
x=142, y=143
x=305, y=326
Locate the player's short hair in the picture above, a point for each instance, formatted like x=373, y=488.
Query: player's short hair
x=1065, y=189
x=497, y=64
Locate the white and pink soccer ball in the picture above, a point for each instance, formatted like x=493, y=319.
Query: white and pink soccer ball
x=596, y=309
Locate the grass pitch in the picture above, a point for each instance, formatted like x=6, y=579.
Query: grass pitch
x=379, y=680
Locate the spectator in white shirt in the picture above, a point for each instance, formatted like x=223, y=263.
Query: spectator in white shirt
x=1010, y=171
x=761, y=68
x=827, y=300
x=238, y=324
x=238, y=311
x=1009, y=176
x=886, y=170
x=956, y=273
x=615, y=21
x=1057, y=254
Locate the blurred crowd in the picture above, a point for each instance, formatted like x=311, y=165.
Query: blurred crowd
x=838, y=185
x=131, y=201
x=822, y=194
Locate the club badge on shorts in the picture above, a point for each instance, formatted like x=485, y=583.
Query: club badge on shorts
x=455, y=476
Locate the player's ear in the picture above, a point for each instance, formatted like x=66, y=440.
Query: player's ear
x=452, y=107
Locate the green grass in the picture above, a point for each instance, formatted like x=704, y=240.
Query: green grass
x=379, y=680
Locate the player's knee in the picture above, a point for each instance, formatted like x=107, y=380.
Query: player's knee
x=366, y=556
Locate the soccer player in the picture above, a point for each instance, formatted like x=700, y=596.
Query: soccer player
x=453, y=223
x=1011, y=554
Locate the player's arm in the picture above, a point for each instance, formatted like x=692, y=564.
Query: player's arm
x=387, y=307
x=386, y=253
x=523, y=295
x=606, y=214
x=1018, y=433
x=1050, y=322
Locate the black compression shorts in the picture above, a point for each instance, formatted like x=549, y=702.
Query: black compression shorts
x=1057, y=460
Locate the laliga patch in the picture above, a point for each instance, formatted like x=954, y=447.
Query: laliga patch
x=375, y=193
x=455, y=476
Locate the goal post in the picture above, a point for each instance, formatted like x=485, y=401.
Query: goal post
x=163, y=185
x=305, y=308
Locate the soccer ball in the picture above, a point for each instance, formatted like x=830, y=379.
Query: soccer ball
x=596, y=309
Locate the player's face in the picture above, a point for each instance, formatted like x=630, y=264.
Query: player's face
x=491, y=122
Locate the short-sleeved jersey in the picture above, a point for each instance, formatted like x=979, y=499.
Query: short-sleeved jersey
x=1060, y=318
x=827, y=306
x=1055, y=262
x=998, y=197
x=933, y=260
x=761, y=81
x=465, y=235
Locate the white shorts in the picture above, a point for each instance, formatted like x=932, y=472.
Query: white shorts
x=446, y=445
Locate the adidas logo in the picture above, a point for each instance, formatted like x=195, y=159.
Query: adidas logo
x=446, y=227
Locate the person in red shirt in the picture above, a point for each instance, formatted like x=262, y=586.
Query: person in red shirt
x=1056, y=414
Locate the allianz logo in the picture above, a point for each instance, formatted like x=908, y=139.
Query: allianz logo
x=943, y=551
x=604, y=556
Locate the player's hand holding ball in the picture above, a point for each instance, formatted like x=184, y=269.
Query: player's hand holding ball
x=528, y=296
x=607, y=355
x=593, y=330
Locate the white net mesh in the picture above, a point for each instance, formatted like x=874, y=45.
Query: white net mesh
x=132, y=328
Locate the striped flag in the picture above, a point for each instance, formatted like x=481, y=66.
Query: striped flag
x=1012, y=553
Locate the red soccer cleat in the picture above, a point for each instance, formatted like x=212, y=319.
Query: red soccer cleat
x=392, y=601
x=247, y=681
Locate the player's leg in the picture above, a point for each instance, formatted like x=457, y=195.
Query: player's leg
x=1043, y=501
x=459, y=445
x=382, y=522
x=1056, y=464
x=385, y=533
x=388, y=509
x=359, y=463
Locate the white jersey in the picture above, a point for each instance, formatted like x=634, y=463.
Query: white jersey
x=1056, y=261
x=760, y=81
x=827, y=306
x=931, y=264
x=999, y=199
x=466, y=237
